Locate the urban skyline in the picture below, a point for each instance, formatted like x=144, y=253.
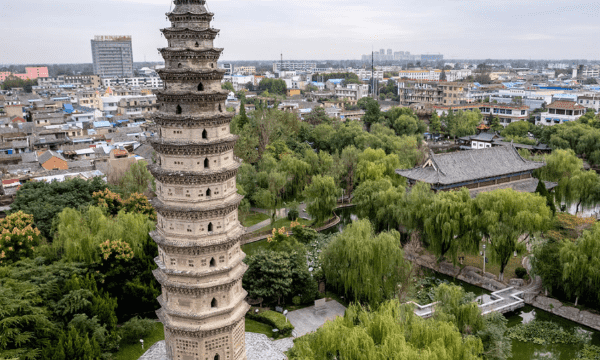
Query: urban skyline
x=314, y=30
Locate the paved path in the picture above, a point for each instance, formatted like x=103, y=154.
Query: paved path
x=258, y=347
x=258, y=226
x=308, y=319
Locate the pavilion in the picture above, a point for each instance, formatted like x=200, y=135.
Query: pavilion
x=482, y=170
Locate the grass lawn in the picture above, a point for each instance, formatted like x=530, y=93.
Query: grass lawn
x=134, y=351
x=509, y=271
x=254, y=218
x=284, y=222
x=257, y=327
x=253, y=248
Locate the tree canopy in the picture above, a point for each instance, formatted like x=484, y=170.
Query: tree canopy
x=504, y=216
x=45, y=200
x=392, y=332
x=365, y=266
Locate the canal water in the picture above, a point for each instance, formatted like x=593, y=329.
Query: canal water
x=520, y=350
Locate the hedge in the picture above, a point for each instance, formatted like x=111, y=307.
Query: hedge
x=274, y=319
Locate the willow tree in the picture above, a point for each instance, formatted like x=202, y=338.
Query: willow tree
x=366, y=266
x=418, y=201
x=392, y=332
x=584, y=188
x=561, y=165
x=321, y=196
x=505, y=215
x=381, y=202
x=581, y=263
x=80, y=234
x=448, y=223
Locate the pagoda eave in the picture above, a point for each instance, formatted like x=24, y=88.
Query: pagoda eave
x=192, y=149
x=193, y=177
x=192, y=214
x=193, y=247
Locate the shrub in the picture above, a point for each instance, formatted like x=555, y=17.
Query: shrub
x=520, y=272
x=297, y=300
x=293, y=214
x=273, y=319
x=135, y=329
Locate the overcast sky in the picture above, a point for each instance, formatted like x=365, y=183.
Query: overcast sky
x=59, y=31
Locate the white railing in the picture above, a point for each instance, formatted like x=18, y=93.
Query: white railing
x=498, y=303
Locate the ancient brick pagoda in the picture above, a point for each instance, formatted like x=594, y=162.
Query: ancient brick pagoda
x=198, y=234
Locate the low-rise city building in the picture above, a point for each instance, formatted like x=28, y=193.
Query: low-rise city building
x=560, y=112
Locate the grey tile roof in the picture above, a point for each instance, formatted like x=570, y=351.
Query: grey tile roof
x=465, y=166
x=145, y=151
x=29, y=157
x=80, y=164
x=47, y=155
x=484, y=136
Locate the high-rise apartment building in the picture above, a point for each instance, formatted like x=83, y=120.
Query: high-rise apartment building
x=112, y=56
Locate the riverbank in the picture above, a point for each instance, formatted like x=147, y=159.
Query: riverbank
x=531, y=292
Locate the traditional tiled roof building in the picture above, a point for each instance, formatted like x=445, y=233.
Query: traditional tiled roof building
x=198, y=234
x=477, y=170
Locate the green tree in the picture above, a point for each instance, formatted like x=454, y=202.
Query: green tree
x=495, y=124
x=585, y=189
x=274, y=86
x=227, y=86
x=435, y=124
x=408, y=125
x=137, y=179
x=243, y=118
x=366, y=266
x=454, y=305
x=372, y=110
x=581, y=263
x=448, y=223
x=18, y=237
x=546, y=263
x=321, y=195
x=317, y=116
x=560, y=164
x=45, y=200
x=462, y=123
x=392, y=332
x=381, y=202
x=542, y=191
x=24, y=321
x=505, y=215
x=517, y=129
x=269, y=276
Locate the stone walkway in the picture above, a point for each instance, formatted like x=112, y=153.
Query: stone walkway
x=308, y=319
x=258, y=347
x=258, y=226
x=156, y=352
